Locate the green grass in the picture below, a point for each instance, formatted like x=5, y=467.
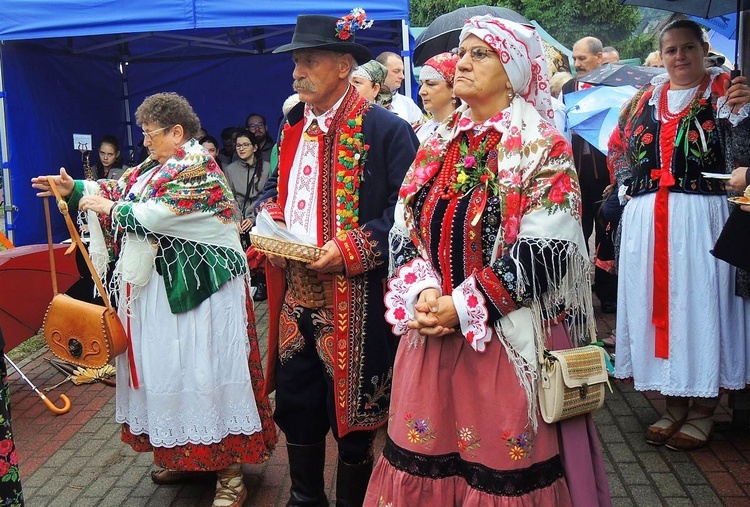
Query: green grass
x=27, y=348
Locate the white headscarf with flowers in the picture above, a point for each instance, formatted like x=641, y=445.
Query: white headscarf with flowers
x=517, y=45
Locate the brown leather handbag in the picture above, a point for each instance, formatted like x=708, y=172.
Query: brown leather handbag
x=78, y=332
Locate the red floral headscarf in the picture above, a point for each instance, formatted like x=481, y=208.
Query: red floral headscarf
x=441, y=67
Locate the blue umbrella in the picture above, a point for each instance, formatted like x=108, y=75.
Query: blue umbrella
x=593, y=112
x=726, y=25
x=722, y=45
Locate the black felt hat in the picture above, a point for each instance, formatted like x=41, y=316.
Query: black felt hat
x=314, y=31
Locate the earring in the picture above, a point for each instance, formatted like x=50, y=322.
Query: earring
x=511, y=95
x=453, y=100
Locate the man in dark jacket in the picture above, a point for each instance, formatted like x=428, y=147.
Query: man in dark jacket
x=341, y=164
x=594, y=178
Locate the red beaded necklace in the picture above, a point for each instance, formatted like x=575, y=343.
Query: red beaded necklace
x=664, y=112
x=446, y=178
x=447, y=175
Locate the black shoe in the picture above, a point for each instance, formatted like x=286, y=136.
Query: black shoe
x=261, y=293
x=609, y=306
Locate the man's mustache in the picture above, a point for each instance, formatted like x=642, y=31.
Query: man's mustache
x=303, y=85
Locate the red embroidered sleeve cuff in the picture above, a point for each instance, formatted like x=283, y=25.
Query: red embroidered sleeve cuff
x=273, y=208
x=496, y=291
x=472, y=313
x=403, y=292
x=357, y=251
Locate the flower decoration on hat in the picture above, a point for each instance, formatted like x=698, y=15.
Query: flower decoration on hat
x=355, y=20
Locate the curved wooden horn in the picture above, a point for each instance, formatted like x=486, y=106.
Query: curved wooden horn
x=53, y=408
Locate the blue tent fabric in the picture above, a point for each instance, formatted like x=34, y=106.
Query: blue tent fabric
x=41, y=121
x=35, y=19
x=61, y=64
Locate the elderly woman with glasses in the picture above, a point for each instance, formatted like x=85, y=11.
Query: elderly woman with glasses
x=487, y=254
x=190, y=384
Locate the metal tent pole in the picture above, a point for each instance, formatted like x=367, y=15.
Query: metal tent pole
x=406, y=54
x=8, y=207
x=126, y=104
x=743, y=41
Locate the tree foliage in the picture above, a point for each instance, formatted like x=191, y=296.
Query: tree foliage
x=566, y=20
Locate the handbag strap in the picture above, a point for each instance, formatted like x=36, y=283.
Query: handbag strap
x=53, y=270
x=63, y=207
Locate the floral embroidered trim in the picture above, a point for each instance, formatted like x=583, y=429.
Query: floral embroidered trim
x=505, y=483
x=500, y=290
x=419, y=431
x=352, y=154
x=520, y=446
x=355, y=20
x=381, y=391
x=468, y=440
x=382, y=503
x=472, y=313
x=403, y=291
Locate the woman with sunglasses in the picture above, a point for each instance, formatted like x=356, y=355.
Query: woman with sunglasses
x=487, y=253
x=190, y=385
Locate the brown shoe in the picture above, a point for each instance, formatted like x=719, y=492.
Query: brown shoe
x=681, y=441
x=658, y=435
x=165, y=476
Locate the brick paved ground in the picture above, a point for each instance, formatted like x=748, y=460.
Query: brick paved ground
x=78, y=458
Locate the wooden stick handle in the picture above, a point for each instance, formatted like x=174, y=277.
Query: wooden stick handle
x=53, y=271
x=56, y=410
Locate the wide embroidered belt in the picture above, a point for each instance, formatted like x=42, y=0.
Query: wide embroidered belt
x=306, y=288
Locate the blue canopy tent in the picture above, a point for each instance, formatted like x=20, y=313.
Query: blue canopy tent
x=83, y=66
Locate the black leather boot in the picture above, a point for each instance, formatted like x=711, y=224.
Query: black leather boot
x=259, y=282
x=351, y=483
x=306, y=463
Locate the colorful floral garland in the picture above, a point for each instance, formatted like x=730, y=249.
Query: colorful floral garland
x=355, y=20
x=352, y=154
x=476, y=169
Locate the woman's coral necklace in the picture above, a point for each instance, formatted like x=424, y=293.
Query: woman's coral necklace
x=664, y=112
x=466, y=145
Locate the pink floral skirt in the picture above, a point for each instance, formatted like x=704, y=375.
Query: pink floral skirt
x=458, y=433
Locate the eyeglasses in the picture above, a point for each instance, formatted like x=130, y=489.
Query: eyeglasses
x=477, y=54
x=242, y=146
x=253, y=126
x=149, y=136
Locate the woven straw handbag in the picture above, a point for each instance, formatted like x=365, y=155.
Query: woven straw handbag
x=572, y=382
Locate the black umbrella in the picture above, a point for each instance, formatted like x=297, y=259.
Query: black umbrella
x=700, y=8
x=620, y=74
x=442, y=34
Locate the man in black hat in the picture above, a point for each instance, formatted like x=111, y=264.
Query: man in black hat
x=341, y=164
